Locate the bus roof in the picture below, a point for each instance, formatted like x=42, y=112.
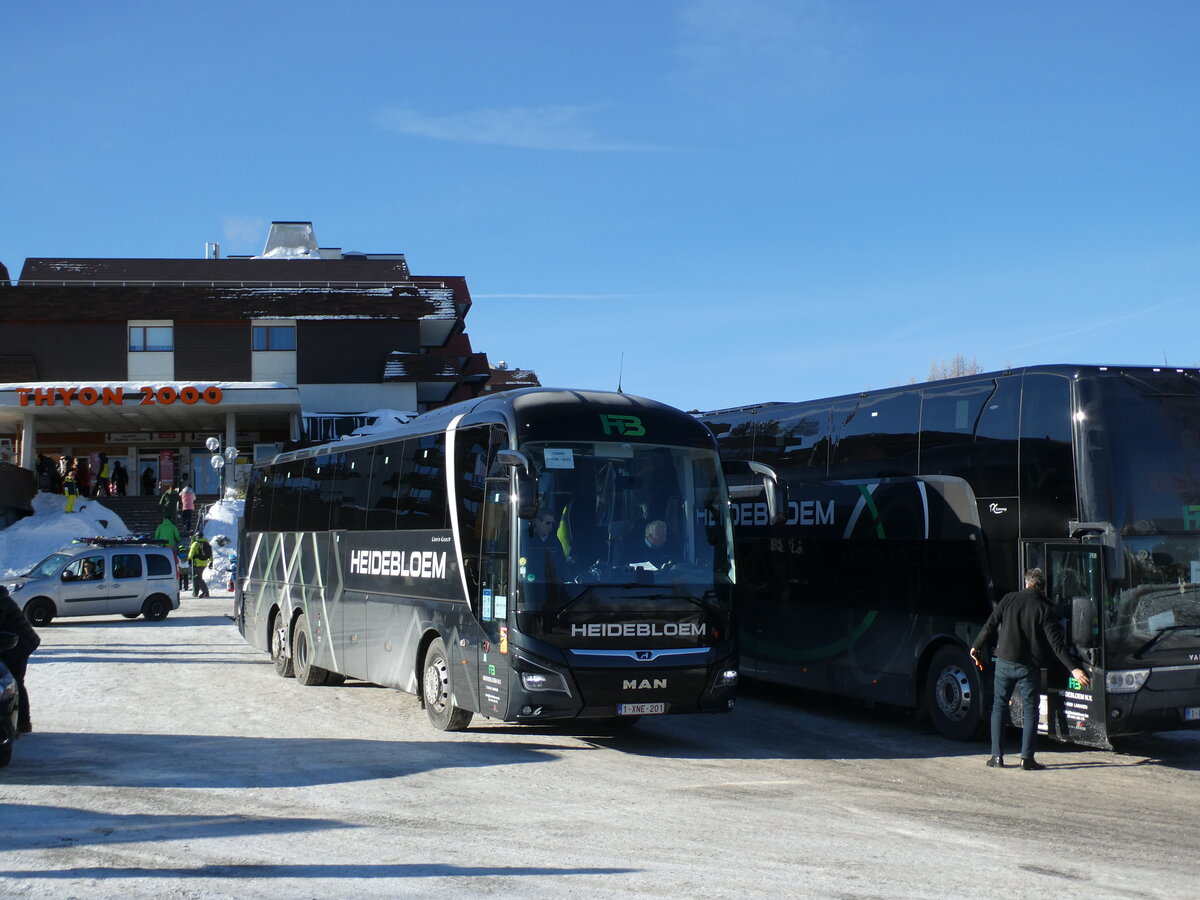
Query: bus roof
x=1067, y=370
x=529, y=406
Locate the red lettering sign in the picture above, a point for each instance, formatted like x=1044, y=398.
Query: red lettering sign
x=115, y=396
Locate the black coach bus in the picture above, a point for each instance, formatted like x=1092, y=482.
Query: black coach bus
x=912, y=510
x=491, y=556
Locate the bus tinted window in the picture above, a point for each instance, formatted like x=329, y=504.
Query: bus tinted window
x=424, y=503
x=969, y=431
x=876, y=436
x=386, y=476
x=353, y=481
x=1047, y=475
x=996, y=441
x=313, y=512
x=804, y=437
x=258, y=501
x=285, y=495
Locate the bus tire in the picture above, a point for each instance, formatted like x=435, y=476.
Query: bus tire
x=307, y=673
x=435, y=688
x=280, y=659
x=954, y=695
x=39, y=612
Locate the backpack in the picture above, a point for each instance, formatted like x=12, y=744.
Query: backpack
x=204, y=551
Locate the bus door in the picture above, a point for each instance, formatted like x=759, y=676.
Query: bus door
x=492, y=672
x=1075, y=585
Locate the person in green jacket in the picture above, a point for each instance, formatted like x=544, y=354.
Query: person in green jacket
x=167, y=531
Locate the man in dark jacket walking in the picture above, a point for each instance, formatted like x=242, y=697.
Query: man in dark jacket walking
x=1028, y=636
x=13, y=619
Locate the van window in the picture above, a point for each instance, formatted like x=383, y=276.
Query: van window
x=156, y=564
x=126, y=565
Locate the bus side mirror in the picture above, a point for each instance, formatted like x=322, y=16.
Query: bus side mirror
x=749, y=480
x=1083, y=618
x=527, y=496
x=527, y=499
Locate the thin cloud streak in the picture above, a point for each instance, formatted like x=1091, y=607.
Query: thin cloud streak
x=1095, y=326
x=521, y=127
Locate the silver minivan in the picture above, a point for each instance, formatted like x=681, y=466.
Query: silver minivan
x=100, y=578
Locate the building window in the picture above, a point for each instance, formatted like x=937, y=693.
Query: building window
x=151, y=338
x=274, y=337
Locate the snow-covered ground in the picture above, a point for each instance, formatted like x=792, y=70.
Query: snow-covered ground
x=35, y=537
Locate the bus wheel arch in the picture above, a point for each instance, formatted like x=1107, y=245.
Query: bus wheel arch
x=952, y=693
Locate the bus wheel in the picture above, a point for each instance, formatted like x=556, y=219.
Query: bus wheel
x=953, y=696
x=444, y=715
x=283, y=662
x=306, y=672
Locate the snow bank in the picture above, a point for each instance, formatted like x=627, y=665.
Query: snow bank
x=29, y=541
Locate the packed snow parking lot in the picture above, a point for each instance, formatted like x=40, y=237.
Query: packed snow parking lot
x=168, y=759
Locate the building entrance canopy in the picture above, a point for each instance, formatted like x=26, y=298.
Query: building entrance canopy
x=107, y=407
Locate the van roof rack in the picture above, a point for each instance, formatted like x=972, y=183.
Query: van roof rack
x=132, y=539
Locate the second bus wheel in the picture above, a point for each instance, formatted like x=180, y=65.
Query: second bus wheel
x=283, y=662
x=307, y=672
x=435, y=687
x=953, y=695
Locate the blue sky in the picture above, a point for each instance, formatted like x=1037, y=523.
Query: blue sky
x=721, y=201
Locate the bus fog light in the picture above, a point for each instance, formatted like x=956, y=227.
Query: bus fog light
x=1126, y=681
x=728, y=678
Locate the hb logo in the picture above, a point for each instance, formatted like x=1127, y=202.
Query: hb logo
x=626, y=426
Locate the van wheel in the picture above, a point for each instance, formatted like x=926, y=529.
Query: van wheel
x=283, y=662
x=39, y=612
x=444, y=715
x=156, y=607
x=953, y=695
x=302, y=652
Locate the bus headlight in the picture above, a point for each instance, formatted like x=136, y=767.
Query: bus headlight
x=535, y=677
x=1126, y=681
x=543, y=681
x=727, y=678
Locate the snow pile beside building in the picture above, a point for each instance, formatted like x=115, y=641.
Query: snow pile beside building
x=221, y=529
x=27, y=542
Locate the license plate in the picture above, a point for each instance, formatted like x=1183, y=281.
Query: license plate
x=1191, y=714
x=641, y=709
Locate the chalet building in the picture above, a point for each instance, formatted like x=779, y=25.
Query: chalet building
x=145, y=360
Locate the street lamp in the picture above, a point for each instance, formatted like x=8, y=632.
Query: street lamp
x=218, y=460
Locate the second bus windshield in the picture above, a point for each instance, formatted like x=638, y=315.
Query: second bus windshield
x=619, y=513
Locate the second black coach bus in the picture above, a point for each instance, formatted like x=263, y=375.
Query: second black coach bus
x=914, y=509
x=491, y=556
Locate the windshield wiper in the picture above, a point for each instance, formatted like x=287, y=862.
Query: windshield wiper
x=1162, y=633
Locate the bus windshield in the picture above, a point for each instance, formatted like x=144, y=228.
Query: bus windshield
x=1156, y=610
x=1141, y=440
x=624, y=514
